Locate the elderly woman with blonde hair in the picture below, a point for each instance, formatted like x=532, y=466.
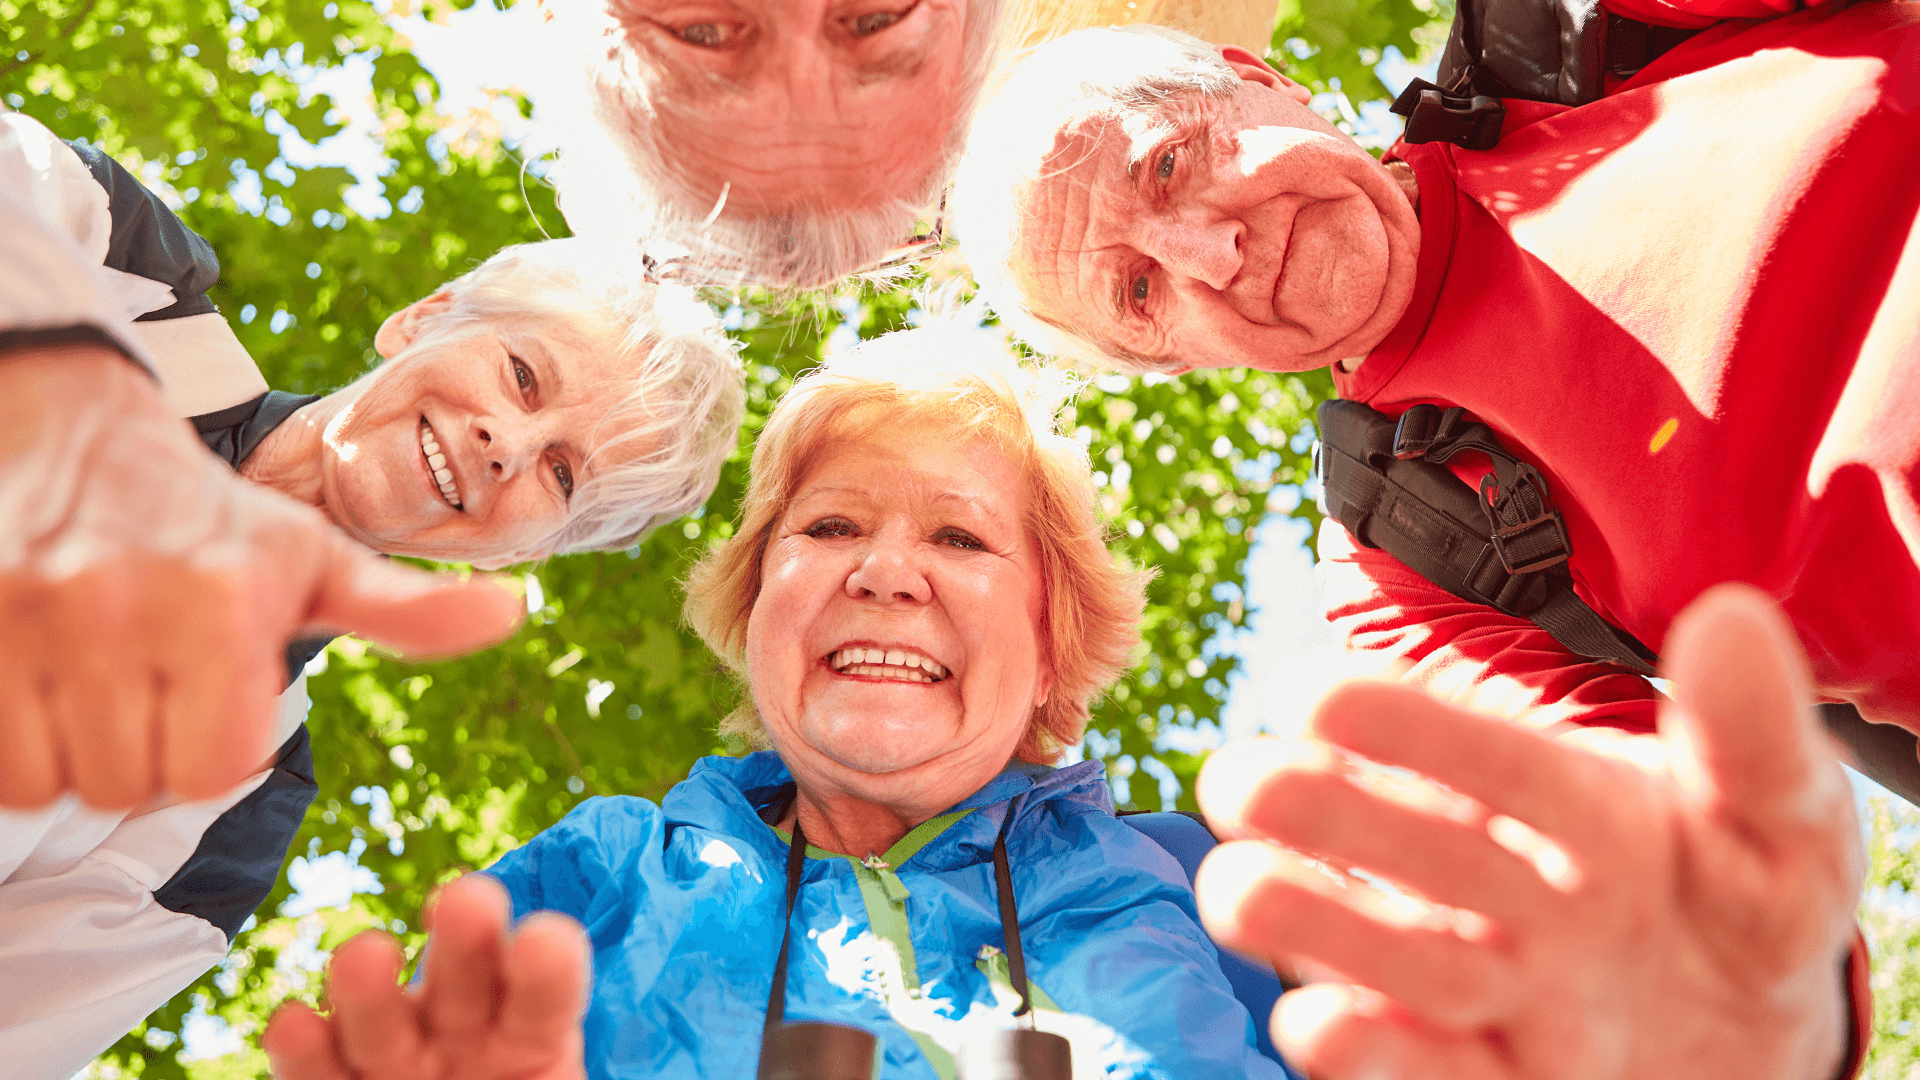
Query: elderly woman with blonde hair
x=921, y=603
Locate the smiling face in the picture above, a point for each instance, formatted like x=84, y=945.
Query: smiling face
x=1242, y=231
x=822, y=104
x=894, y=650
x=469, y=442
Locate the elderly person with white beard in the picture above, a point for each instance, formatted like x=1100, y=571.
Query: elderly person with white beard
x=545, y=402
x=795, y=142
x=922, y=606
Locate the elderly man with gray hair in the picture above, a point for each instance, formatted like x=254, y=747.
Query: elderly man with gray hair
x=1688, y=309
x=794, y=142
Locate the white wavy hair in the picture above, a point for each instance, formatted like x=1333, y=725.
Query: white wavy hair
x=620, y=175
x=1105, y=75
x=683, y=391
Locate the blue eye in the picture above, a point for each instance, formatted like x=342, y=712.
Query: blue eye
x=565, y=476
x=522, y=374
x=827, y=528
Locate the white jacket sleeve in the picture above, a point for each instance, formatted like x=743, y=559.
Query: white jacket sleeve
x=104, y=917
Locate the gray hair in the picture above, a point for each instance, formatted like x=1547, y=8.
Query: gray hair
x=622, y=176
x=682, y=399
x=1104, y=75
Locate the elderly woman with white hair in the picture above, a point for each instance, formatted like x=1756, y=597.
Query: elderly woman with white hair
x=922, y=605
x=547, y=401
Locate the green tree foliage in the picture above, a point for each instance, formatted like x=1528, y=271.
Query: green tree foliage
x=1890, y=916
x=427, y=771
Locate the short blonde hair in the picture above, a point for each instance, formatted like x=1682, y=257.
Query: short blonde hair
x=965, y=383
x=1057, y=88
x=682, y=395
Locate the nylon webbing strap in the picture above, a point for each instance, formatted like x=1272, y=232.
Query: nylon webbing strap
x=1505, y=547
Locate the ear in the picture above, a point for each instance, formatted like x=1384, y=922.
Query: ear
x=1255, y=70
x=1043, y=686
x=403, y=327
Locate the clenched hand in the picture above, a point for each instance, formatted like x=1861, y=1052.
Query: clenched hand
x=147, y=593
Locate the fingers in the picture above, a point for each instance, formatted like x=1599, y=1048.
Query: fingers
x=1258, y=899
x=548, y=969
x=1744, y=740
x=99, y=680
x=1307, y=800
x=299, y=1044
x=378, y=1025
x=413, y=612
x=1335, y=1032
x=31, y=772
x=1510, y=769
x=465, y=958
x=219, y=677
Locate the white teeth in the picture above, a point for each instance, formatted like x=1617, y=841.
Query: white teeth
x=886, y=664
x=437, y=464
x=888, y=672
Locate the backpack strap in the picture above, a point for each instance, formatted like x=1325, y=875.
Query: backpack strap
x=1505, y=548
x=1556, y=51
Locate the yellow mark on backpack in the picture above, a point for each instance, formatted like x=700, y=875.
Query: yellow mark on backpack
x=1665, y=433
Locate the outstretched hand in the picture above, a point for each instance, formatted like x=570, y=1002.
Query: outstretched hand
x=495, y=1006
x=147, y=593
x=1590, y=906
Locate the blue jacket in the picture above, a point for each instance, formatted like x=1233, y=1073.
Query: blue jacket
x=683, y=903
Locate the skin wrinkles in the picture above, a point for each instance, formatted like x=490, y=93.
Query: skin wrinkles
x=794, y=109
x=1267, y=238
x=357, y=454
x=918, y=542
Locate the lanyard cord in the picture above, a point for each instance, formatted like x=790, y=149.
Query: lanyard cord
x=796, y=862
x=1009, y=921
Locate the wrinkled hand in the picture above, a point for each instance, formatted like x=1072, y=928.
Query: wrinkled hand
x=494, y=1006
x=147, y=593
x=1592, y=906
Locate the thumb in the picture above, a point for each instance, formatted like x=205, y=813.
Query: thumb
x=415, y=613
x=1742, y=736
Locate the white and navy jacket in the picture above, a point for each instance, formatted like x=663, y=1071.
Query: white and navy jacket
x=104, y=916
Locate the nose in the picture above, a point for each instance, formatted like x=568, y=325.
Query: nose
x=806, y=63
x=887, y=572
x=1197, y=244
x=507, y=445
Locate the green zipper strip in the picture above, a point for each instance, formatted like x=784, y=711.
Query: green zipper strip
x=882, y=891
x=885, y=897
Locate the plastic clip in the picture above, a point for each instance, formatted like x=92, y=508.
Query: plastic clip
x=1528, y=533
x=1433, y=115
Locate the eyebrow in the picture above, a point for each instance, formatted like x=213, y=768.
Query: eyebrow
x=976, y=503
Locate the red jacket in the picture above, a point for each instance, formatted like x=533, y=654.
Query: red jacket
x=1695, y=305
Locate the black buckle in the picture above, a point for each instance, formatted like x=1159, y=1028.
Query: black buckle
x=1416, y=431
x=1528, y=533
x=1471, y=122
